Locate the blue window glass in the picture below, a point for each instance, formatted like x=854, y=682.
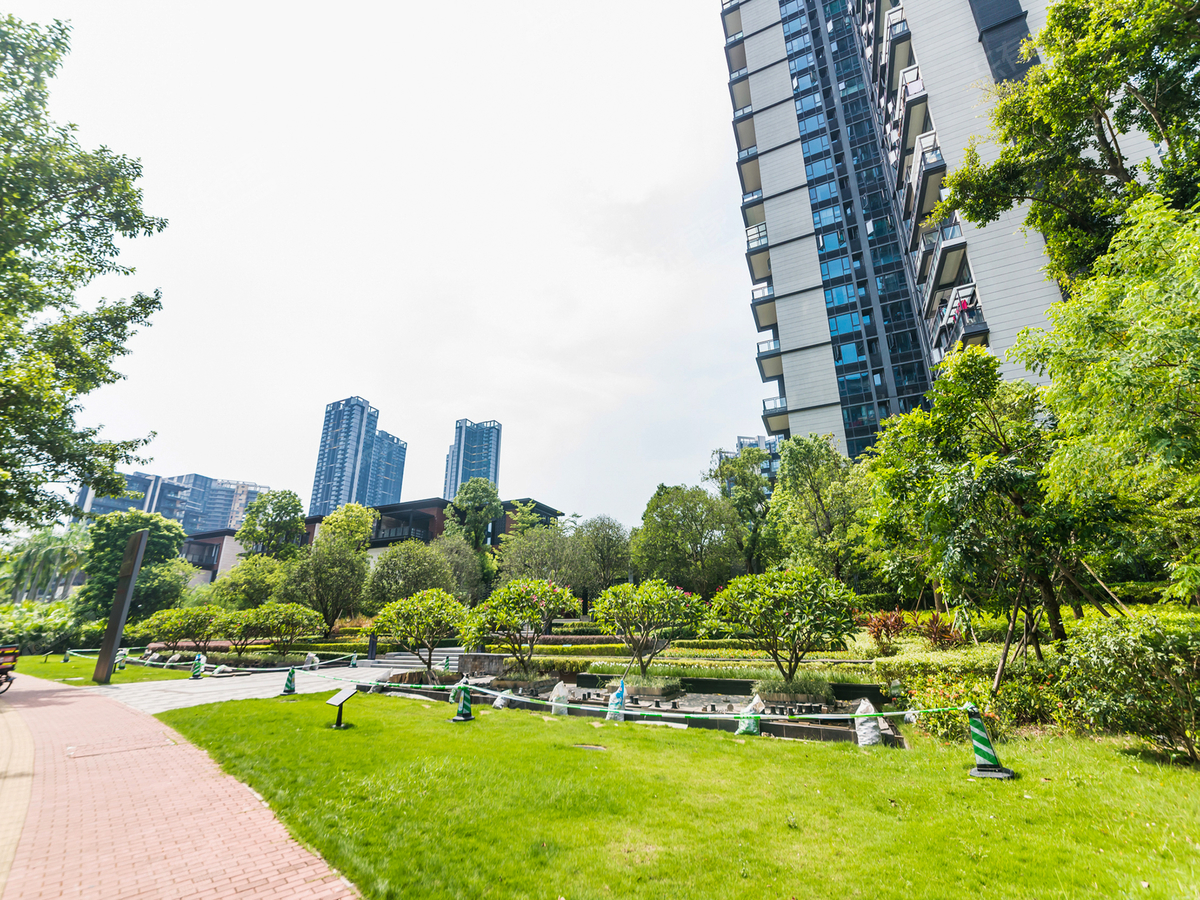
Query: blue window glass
x=807, y=102
x=835, y=268
x=819, y=169
x=823, y=218
x=812, y=123
x=826, y=191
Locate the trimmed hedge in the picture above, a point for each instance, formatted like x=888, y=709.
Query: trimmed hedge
x=578, y=628
x=346, y=648
x=559, y=651
x=550, y=640
x=547, y=665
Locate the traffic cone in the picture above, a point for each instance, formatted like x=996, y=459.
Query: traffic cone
x=121, y=661
x=446, y=664
x=67, y=655
x=198, y=665
x=463, y=692
x=987, y=763
x=289, y=686
x=354, y=660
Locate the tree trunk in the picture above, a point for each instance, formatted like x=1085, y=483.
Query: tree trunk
x=1058, y=631
x=1012, y=621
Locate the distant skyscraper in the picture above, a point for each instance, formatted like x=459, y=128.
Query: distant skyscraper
x=214, y=504
x=198, y=502
x=387, y=469
x=475, y=453
x=355, y=463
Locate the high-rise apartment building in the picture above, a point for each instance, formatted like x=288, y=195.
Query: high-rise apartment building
x=355, y=462
x=843, y=137
x=197, y=502
x=214, y=504
x=387, y=469
x=475, y=453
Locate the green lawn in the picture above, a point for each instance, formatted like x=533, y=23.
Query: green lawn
x=79, y=670
x=407, y=804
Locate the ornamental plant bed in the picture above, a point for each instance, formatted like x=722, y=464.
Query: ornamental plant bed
x=542, y=684
x=871, y=692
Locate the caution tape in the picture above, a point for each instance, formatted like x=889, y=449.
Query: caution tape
x=170, y=665
x=667, y=714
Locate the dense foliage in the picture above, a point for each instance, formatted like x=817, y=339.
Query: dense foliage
x=646, y=616
x=420, y=621
x=274, y=525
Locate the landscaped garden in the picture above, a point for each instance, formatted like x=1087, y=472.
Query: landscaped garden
x=518, y=804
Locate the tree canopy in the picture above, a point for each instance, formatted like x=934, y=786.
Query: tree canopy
x=473, y=508
x=159, y=584
x=402, y=570
x=274, y=525
x=688, y=539
x=62, y=211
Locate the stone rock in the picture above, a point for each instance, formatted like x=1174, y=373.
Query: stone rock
x=174, y=659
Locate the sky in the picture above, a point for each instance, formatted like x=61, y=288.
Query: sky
x=522, y=212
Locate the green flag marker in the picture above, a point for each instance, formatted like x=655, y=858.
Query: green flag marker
x=198, y=665
x=354, y=660
x=987, y=763
x=289, y=686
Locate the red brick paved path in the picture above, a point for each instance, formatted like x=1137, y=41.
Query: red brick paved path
x=124, y=807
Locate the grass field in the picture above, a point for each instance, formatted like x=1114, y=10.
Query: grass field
x=407, y=804
x=79, y=670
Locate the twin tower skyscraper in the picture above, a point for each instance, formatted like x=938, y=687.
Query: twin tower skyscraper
x=359, y=463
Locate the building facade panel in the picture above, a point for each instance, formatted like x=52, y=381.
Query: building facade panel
x=773, y=127
x=783, y=169
x=758, y=14
x=802, y=320
x=795, y=267
x=821, y=420
x=766, y=47
x=789, y=216
x=770, y=85
x=812, y=373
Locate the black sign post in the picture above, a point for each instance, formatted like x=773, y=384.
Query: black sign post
x=131, y=564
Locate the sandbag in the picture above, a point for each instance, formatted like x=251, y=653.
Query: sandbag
x=868, y=729
x=748, y=718
x=503, y=700
x=616, y=704
x=311, y=661
x=558, y=700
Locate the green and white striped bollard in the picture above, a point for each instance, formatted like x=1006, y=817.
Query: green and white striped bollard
x=198, y=665
x=354, y=660
x=446, y=664
x=289, y=686
x=120, y=660
x=987, y=762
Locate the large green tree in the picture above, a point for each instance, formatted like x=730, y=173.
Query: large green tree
x=1123, y=357
x=63, y=210
x=329, y=574
x=402, y=570
x=249, y=584
x=605, y=545
x=688, y=538
x=473, y=508
x=162, y=579
x=274, y=525
x=740, y=478
x=1108, y=67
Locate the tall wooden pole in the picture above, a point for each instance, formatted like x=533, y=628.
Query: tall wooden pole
x=131, y=564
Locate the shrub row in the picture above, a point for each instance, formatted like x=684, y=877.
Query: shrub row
x=548, y=640
x=578, y=628
x=557, y=651
x=342, y=649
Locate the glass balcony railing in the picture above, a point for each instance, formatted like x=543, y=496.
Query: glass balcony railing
x=753, y=195
x=763, y=293
x=774, y=404
x=743, y=112
x=733, y=38
x=765, y=347
x=748, y=152
x=729, y=4
x=756, y=236
x=898, y=28
x=402, y=532
x=738, y=74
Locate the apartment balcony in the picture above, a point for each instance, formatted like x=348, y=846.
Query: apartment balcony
x=945, y=259
x=961, y=320
x=756, y=236
x=733, y=39
x=752, y=196
x=774, y=416
x=924, y=185
x=762, y=304
x=897, y=44
x=748, y=152
x=911, y=104
x=770, y=360
x=738, y=73
x=730, y=4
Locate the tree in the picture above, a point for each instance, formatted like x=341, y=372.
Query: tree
x=198, y=626
x=48, y=560
x=1123, y=357
x=471, y=571
x=519, y=613
x=687, y=538
x=787, y=614
x=548, y=552
x=739, y=477
x=815, y=505
x=1111, y=66
x=646, y=616
x=252, y=582
x=402, y=570
x=61, y=214
x=284, y=623
x=274, y=526
x=352, y=523
x=473, y=509
x=419, y=621
x=327, y=577
x=158, y=585
x=605, y=544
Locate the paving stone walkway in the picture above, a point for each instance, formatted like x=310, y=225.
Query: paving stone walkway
x=119, y=807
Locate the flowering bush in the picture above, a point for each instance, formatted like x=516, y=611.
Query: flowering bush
x=644, y=615
x=940, y=691
x=518, y=614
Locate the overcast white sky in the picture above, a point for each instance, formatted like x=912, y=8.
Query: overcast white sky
x=524, y=212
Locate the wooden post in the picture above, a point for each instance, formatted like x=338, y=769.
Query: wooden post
x=131, y=564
